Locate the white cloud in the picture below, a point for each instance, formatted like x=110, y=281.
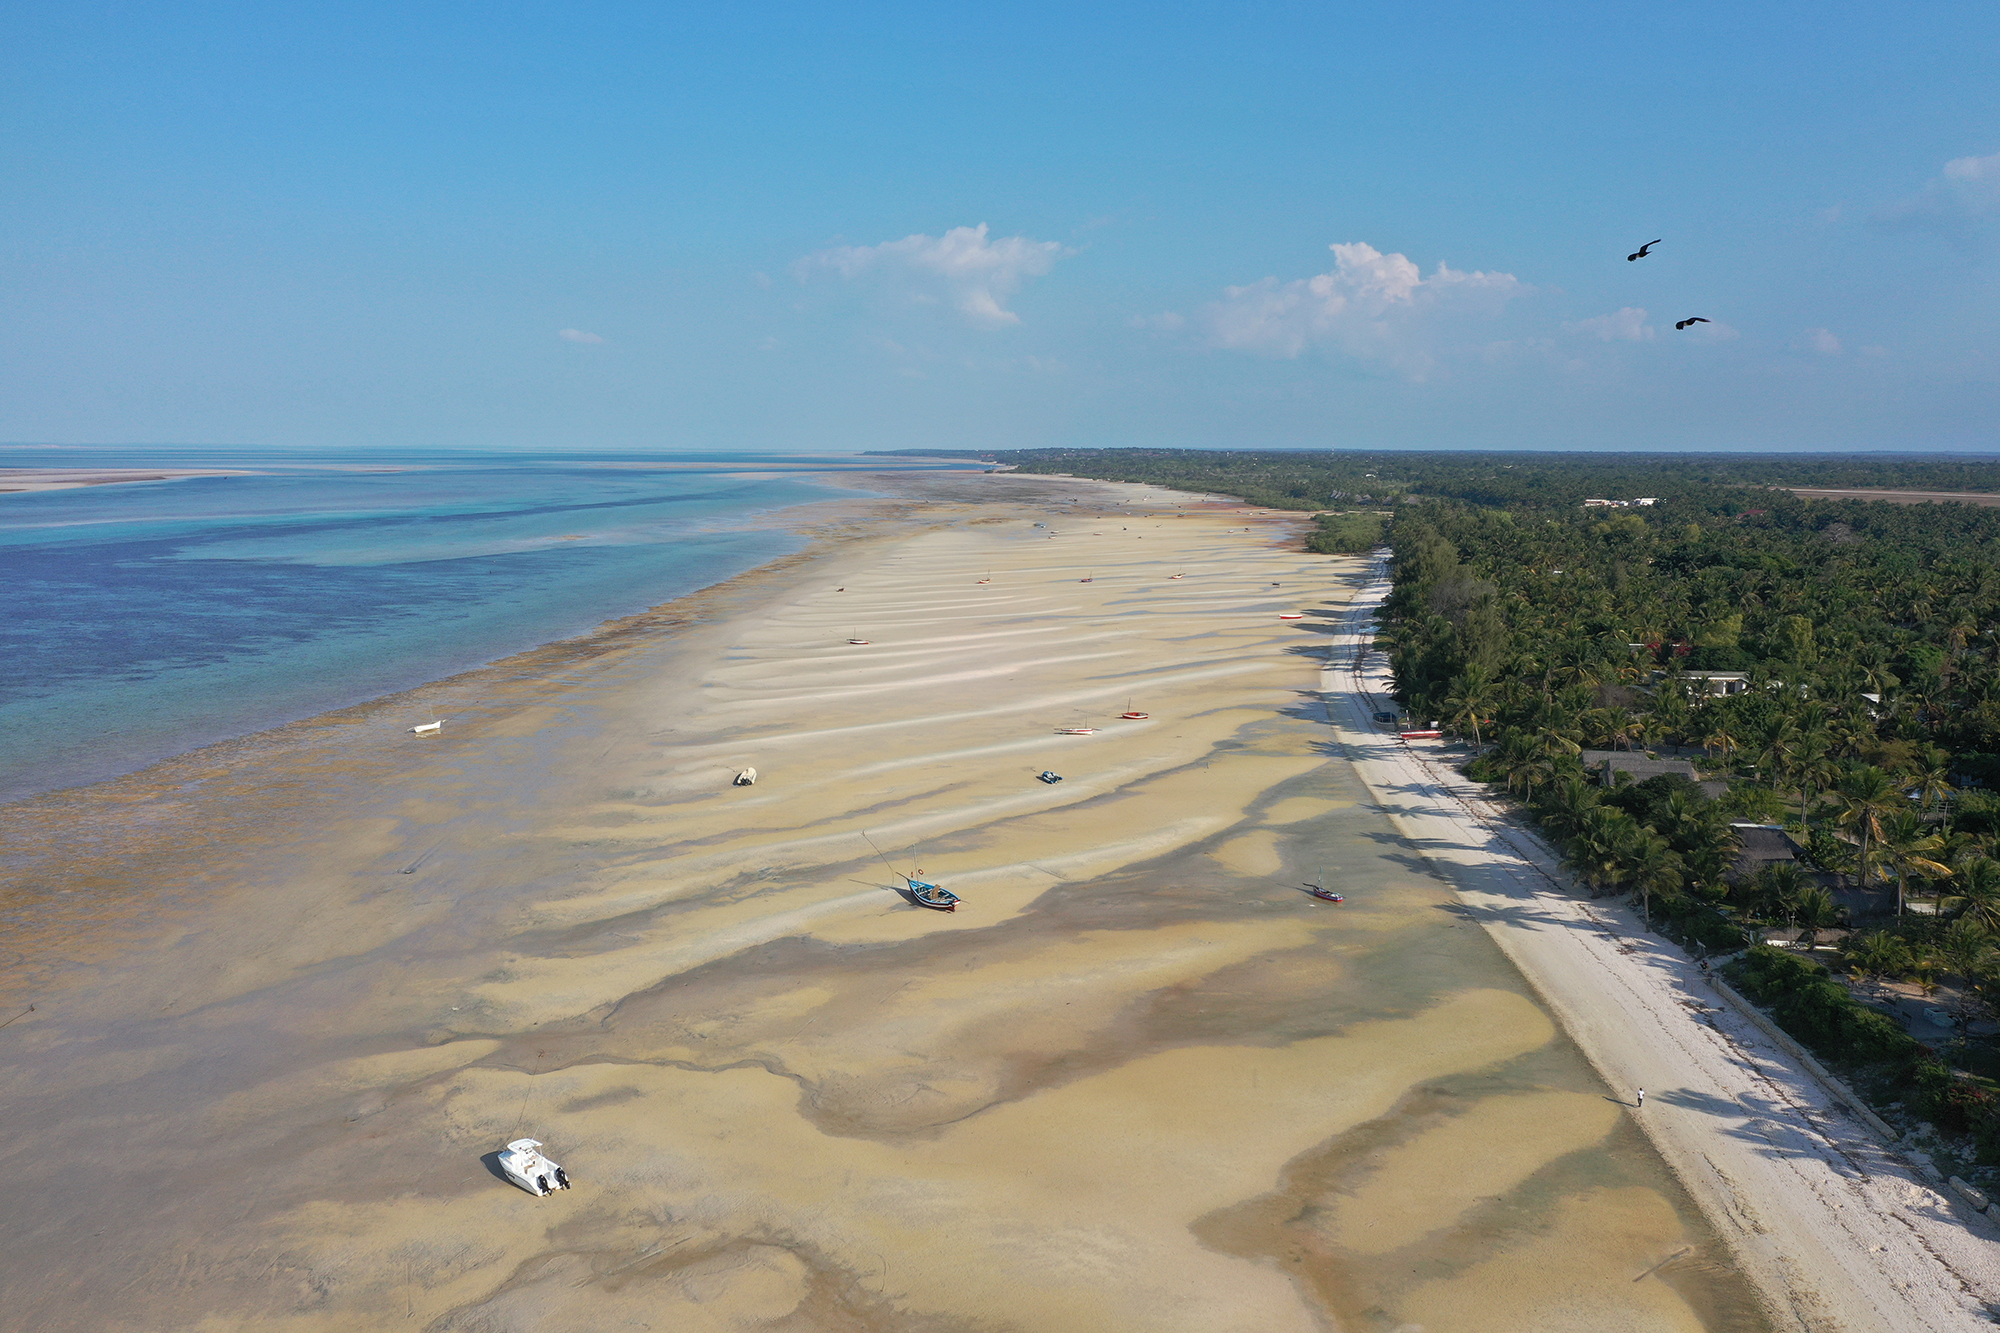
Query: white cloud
x=1164, y=322
x=1626, y=325
x=1822, y=341
x=1371, y=307
x=1961, y=204
x=962, y=268
x=578, y=336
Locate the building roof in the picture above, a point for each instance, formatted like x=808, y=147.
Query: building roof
x=1762, y=845
x=1636, y=762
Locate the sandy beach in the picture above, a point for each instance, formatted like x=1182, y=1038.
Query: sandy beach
x=294, y=992
x=1832, y=1224
x=21, y=480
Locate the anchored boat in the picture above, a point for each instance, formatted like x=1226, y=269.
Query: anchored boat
x=922, y=892
x=1322, y=892
x=931, y=896
x=427, y=729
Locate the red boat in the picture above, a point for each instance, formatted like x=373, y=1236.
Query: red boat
x=1326, y=895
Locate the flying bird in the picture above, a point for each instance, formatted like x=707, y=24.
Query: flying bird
x=1641, y=252
x=1681, y=324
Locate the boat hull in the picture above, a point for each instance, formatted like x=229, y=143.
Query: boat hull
x=933, y=897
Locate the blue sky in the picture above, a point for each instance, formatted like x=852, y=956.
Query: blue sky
x=719, y=227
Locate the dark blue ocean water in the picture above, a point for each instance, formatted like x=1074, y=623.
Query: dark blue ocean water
x=139, y=621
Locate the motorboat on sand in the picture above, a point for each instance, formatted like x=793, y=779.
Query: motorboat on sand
x=522, y=1162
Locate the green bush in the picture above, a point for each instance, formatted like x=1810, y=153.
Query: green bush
x=1345, y=534
x=1819, y=1011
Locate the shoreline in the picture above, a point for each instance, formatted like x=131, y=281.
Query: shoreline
x=1836, y=1232
x=1139, y=1079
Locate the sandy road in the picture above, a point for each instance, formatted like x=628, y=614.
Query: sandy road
x=1837, y=1233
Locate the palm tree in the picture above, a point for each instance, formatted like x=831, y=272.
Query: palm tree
x=1700, y=834
x=1867, y=793
x=1599, y=851
x=1468, y=695
x=1976, y=892
x=1719, y=741
x=1968, y=951
x=1908, y=847
x=1779, y=889
x=1650, y=866
x=1775, y=743
x=1933, y=775
x=1568, y=805
x=1814, y=910
x=1812, y=765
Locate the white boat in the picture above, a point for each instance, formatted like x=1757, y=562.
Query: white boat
x=747, y=778
x=523, y=1163
x=1076, y=731
x=1292, y=615
x=427, y=729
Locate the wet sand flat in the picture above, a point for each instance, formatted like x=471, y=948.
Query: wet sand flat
x=1138, y=1080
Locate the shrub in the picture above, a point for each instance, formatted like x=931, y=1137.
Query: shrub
x=1819, y=1011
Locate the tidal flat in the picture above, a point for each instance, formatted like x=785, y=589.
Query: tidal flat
x=292, y=997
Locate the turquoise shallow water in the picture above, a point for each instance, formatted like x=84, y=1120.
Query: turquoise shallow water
x=139, y=621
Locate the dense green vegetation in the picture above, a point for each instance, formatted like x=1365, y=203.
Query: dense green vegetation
x=1312, y=479
x=1865, y=718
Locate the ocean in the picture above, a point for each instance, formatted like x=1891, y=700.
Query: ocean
x=139, y=621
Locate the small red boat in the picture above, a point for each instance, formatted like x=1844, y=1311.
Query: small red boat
x=1292, y=615
x=1135, y=717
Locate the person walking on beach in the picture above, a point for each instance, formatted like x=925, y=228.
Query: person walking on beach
x=1642, y=1099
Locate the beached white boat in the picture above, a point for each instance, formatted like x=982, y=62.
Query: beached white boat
x=747, y=778
x=1076, y=731
x=523, y=1163
x=857, y=640
x=1292, y=615
x=427, y=729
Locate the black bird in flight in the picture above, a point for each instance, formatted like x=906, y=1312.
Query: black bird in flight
x=1641, y=252
x=1681, y=324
